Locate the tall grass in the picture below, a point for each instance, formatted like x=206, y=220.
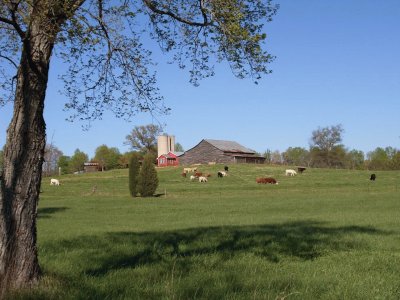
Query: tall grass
x=324, y=234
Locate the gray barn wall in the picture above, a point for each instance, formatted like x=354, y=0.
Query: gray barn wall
x=204, y=153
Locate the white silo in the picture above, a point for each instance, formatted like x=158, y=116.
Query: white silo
x=165, y=144
x=162, y=144
x=171, y=141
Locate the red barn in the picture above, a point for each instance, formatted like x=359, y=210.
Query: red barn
x=169, y=159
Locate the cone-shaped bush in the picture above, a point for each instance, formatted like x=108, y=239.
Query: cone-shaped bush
x=148, y=180
x=134, y=169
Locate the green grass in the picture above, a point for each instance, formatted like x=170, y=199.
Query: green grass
x=324, y=234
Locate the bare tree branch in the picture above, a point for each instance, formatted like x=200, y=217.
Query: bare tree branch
x=9, y=60
x=7, y=21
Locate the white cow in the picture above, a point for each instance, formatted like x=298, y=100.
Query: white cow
x=222, y=174
x=54, y=181
x=290, y=172
x=202, y=179
x=189, y=170
x=192, y=177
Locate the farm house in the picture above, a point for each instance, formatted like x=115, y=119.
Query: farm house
x=166, y=151
x=169, y=159
x=217, y=151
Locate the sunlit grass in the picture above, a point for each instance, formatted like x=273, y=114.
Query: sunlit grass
x=324, y=234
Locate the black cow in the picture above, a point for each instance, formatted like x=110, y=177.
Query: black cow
x=226, y=168
x=220, y=174
x=373, y=177
x=301, y=169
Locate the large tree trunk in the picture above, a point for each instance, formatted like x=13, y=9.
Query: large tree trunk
x=23, y=158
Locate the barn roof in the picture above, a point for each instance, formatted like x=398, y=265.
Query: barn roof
x=229, y=146
x=88, y=164
x=173, y=154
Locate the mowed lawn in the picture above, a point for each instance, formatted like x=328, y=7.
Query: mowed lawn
x=324, y=234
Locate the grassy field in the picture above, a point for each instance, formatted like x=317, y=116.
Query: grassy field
x=324, y=234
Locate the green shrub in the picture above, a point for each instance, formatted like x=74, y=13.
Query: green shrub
x=148, y=180
x=134, y=168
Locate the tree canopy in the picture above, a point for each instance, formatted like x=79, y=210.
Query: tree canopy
x=384, y=159
x=107, y=157
x=296, y=156
x=326, y=149
x=77, y=161
x=51, y=156
x=144, y=138
x=64, y=163
x=179, y=148
x=327, y=137
x=104, y=45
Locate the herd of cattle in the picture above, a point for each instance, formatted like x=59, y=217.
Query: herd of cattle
x=203, y=177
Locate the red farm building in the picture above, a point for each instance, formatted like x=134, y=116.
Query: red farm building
x=169, y=159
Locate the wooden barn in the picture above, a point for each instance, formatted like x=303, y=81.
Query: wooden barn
x=89, y=167
x=217, y=151
x=169, y=159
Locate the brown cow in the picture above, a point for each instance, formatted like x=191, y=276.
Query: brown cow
x=198, y=174
x=266, y=180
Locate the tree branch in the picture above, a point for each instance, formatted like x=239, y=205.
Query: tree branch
x=203, y=11
x=9, y=60
x=7, y=21
x=152, y=6
x=13, y=9
x=103, y=27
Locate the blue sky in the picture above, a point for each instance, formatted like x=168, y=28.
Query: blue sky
x=337, y=62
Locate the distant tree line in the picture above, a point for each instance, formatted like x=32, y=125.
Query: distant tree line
x=108, y=158
x=339, y=157
x=326, y=151
x=142, y=140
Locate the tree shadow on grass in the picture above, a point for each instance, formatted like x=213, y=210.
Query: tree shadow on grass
x=158, y=195
x=46, y=212
x=306, y=240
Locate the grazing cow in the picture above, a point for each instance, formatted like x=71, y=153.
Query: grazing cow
x=226, y=168
x=266, y=180
x=203, y=179
x=198, y=174
x=290, y=172
x=54, y=181
x=222, y=174
x=373, y=177
x=301, y=169
x=207, y=175
x=189, y=170
x=183, y=174
x=192, y=177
